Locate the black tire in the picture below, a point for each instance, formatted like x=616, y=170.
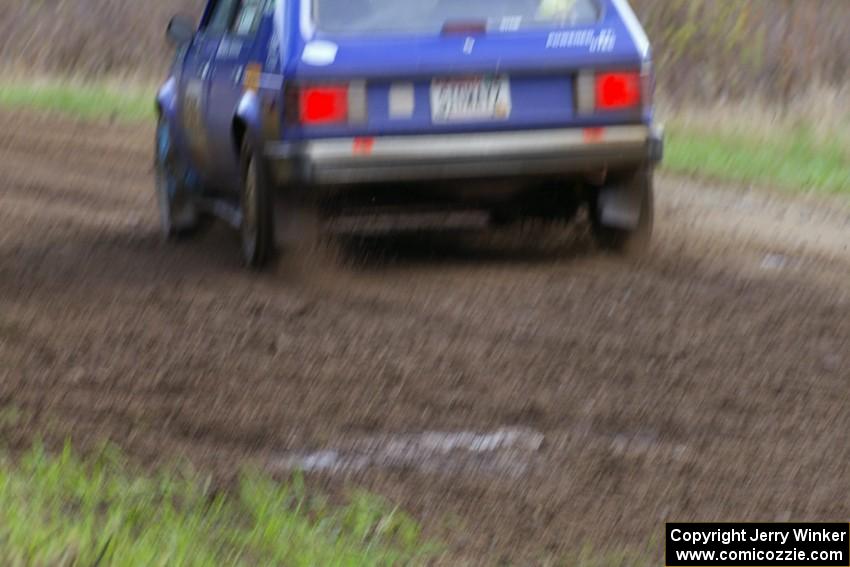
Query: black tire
x=256, y=230
x=178, y=216
x=635, y=242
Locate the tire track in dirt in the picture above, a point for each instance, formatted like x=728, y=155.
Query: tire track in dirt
x=707, y=382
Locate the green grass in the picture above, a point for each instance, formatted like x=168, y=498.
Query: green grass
x=128, y=103
x=790, y=158
x=62, y=510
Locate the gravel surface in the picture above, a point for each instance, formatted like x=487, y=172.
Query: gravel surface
x=521, y=393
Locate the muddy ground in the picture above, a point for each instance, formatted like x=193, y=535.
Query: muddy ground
x=567, y=397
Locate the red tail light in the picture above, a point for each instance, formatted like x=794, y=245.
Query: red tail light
x=327, y=104
x=618, y=91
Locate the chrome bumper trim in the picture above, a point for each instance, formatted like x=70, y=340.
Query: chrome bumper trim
x=399, y=158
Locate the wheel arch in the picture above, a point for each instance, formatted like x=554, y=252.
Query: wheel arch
x=238, y=130
x=166, y=99
x=246, y=121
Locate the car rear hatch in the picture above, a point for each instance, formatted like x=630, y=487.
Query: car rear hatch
x=465, y=79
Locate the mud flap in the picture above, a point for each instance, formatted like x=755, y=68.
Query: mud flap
x=620, y=204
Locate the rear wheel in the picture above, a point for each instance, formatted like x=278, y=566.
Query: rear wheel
x=178, y=216
x=257, y=223
x=627, y=241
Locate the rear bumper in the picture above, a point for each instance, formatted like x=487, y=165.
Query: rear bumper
x=348, y=161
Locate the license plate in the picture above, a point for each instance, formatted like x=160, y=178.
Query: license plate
x=470, y=99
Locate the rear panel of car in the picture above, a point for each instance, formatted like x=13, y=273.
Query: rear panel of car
x=399, y=78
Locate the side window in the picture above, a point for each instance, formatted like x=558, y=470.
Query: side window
x=248, y=17
x=222, y=16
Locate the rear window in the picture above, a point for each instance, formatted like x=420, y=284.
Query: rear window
x=430, y=16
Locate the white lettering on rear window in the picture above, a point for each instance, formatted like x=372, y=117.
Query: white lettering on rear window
x=602, y=41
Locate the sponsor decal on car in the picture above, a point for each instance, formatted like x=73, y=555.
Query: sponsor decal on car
x=601, y=41
x=319, y=53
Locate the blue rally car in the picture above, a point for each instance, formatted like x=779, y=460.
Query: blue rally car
x=505, y=109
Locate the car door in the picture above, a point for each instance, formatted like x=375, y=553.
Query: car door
x=235, y=53
x=195, y=84
x=196, y=67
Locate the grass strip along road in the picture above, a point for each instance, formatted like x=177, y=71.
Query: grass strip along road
x=791, y=160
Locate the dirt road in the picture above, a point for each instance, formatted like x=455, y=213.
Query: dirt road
x=520, y=395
